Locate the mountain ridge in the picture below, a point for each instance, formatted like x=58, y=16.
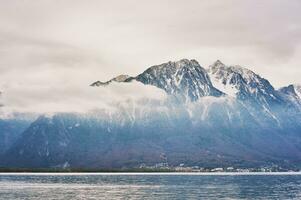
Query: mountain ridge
x=177, y=78
x=209, y=73
x=244, y=122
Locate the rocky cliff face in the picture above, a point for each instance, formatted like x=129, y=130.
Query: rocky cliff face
x=185, y=78
x=245, y=84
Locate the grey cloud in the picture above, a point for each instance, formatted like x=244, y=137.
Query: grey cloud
x=27, y=99
x=80, y=41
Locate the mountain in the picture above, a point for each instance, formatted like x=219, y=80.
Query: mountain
x=120, y=78
x=10, y=131
x=44, y=136
x=223, y=116
x=193, y=137
x=252, y=90
x=244, y=84
x=185, y=79
x=292, y=93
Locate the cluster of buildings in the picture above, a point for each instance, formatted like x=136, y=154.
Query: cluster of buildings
x=183, y=168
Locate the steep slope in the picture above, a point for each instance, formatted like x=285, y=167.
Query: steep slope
x=255, y=92
x=11, y=128
x=292, y=93
x=185, y=78
x=298, y=89
x=10, y=132
x=44, y=136
x=245, y=84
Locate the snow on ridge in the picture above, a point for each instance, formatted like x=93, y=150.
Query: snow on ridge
x=298, y=89
x=227, y=88
x=233, y=79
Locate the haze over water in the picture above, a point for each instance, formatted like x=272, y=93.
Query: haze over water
x=150, y=186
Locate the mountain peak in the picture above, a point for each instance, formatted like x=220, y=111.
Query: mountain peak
x=244, y=84
x=289, y=88
x=218, y=62
x=176, y=64
x=120, y=78
x=221, y=69
x=292, y=90
x=184, y=77
x=292, y=93
x=186, y=61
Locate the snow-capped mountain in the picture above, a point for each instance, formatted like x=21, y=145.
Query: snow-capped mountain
x=225, y=116
x=184, y=78
x=243, y=83
x=292, y=93
x=292, y=90
x=188, y=80
x=252, y=90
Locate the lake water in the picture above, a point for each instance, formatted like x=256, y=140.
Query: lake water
x=150, y=186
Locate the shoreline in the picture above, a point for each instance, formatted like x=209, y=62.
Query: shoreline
x=148, y=173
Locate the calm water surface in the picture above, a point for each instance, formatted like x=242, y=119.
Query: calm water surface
x=149, y=186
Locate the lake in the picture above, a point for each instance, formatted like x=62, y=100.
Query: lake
x=150, y=186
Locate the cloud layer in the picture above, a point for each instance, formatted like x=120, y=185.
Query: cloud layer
x=53, y=99
x=50, y=44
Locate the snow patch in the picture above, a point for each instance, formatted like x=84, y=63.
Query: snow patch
x=227, y=88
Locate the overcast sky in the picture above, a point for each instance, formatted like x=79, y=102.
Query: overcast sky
x=68, y=43
x=81, y=41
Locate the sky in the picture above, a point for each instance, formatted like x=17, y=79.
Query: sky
x=70, y=43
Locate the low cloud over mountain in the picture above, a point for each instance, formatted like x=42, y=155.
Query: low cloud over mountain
x=220, y=116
